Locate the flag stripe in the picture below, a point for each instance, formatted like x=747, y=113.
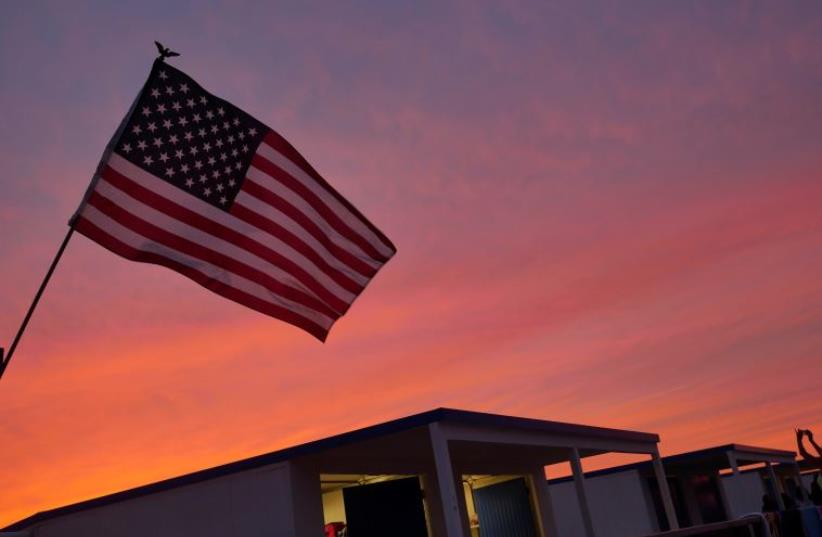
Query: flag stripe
x=281, y=145
x=250, y=187
x=197, y=228
x=334, y=267
x=346, y=269
x=211, y=281
x=309, y=203
x=208, y=255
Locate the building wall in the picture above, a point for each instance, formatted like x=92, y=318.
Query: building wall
x=619, y=507
x=249, y=504
x=744, y=493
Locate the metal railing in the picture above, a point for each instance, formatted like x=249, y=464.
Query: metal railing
x=748, y=526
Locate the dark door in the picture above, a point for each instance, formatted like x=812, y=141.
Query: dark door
x=504, y=510
x=390, y=508
x=708, y=498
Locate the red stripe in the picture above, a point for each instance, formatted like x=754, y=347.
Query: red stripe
x=217, y=259
x=281, y=145
x=265, y=195
x=280, y=175
x=216, y=229
x=99, y=236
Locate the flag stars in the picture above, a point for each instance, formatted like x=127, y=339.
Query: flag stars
x=196, y=143
x=163, y=75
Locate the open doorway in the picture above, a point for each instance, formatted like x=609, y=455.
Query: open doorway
x=500, y=506
x=356, y=505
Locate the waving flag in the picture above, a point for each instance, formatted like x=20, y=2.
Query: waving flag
x=195, y=184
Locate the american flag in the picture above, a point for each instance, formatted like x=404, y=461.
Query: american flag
x=195, y=184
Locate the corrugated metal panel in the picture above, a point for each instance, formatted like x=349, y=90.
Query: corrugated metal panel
x=504, y=510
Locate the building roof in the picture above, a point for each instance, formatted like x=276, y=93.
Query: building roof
x=713, y=458
x=449, y=415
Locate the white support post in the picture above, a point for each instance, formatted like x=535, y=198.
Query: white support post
x=454, y=526
x=543, y=503
x=776, y=487
x=732, y=483
x=664, y=491
x=582, y=495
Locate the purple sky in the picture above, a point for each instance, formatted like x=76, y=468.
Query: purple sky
x=608, y=213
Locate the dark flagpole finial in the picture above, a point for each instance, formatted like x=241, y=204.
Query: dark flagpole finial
x=165, y=52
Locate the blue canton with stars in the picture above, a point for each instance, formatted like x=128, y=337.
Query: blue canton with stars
x=190, y=138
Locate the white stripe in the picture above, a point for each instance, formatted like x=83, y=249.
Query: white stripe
x=193, y=203
x=204, y=239
x=351, y=219
x=138, y=242
x=264, y=209
x=262, y=179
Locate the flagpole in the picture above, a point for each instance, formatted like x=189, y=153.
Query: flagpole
x=4, y=360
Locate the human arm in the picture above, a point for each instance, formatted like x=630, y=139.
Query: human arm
x=809, y=434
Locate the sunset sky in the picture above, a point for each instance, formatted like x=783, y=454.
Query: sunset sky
x=606, y=213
